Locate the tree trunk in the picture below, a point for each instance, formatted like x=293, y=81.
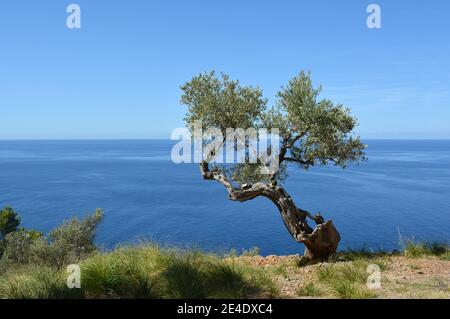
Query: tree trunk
x=321, y=242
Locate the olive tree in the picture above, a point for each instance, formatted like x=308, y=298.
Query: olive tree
x=312, y=131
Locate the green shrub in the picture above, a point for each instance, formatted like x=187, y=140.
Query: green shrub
x=67, y=244
x=9, y=221
x=19, y=246
x=71, y=242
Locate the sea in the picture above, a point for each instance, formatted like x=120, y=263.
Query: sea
x=401, y=193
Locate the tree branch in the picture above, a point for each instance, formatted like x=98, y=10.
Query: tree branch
x=258, y=189
x=234, y=193
x=288, y=143
x=214, y=175
x=299, y=161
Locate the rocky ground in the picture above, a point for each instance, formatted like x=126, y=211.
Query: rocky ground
x=401, y=277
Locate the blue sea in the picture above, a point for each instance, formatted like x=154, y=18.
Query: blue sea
x=403, y=188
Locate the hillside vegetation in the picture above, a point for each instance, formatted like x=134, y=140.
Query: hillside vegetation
x=33, y=265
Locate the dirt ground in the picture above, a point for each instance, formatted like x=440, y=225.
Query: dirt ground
x=401, y=277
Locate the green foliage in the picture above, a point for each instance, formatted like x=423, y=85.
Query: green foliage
x=145, y=271
x=414, y=249
x=18, y=247
x=67, y=244
x=36, y=282
x=250, y=173
x=228, y=280
x=233, y=253
x=318, y=130
x=125, y=272
x=362, y=253
x=184, y=277
x=312, y=131
x=72, y=241
x=222, y=102
x=150, y=272
x=251, y=252
x=345, y=280
x=310, y=290
x=33, y=267
x=9, y=221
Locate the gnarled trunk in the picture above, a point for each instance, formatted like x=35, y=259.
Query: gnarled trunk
x=321, y=242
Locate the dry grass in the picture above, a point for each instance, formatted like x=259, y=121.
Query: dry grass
x=401, y=277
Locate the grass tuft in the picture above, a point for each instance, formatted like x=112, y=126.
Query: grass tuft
x=36, y=283
x=310, y=290
x=143, y=272
x=414, y=249
x=345, y=280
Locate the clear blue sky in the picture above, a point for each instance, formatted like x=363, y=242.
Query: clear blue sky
x=119, y=75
